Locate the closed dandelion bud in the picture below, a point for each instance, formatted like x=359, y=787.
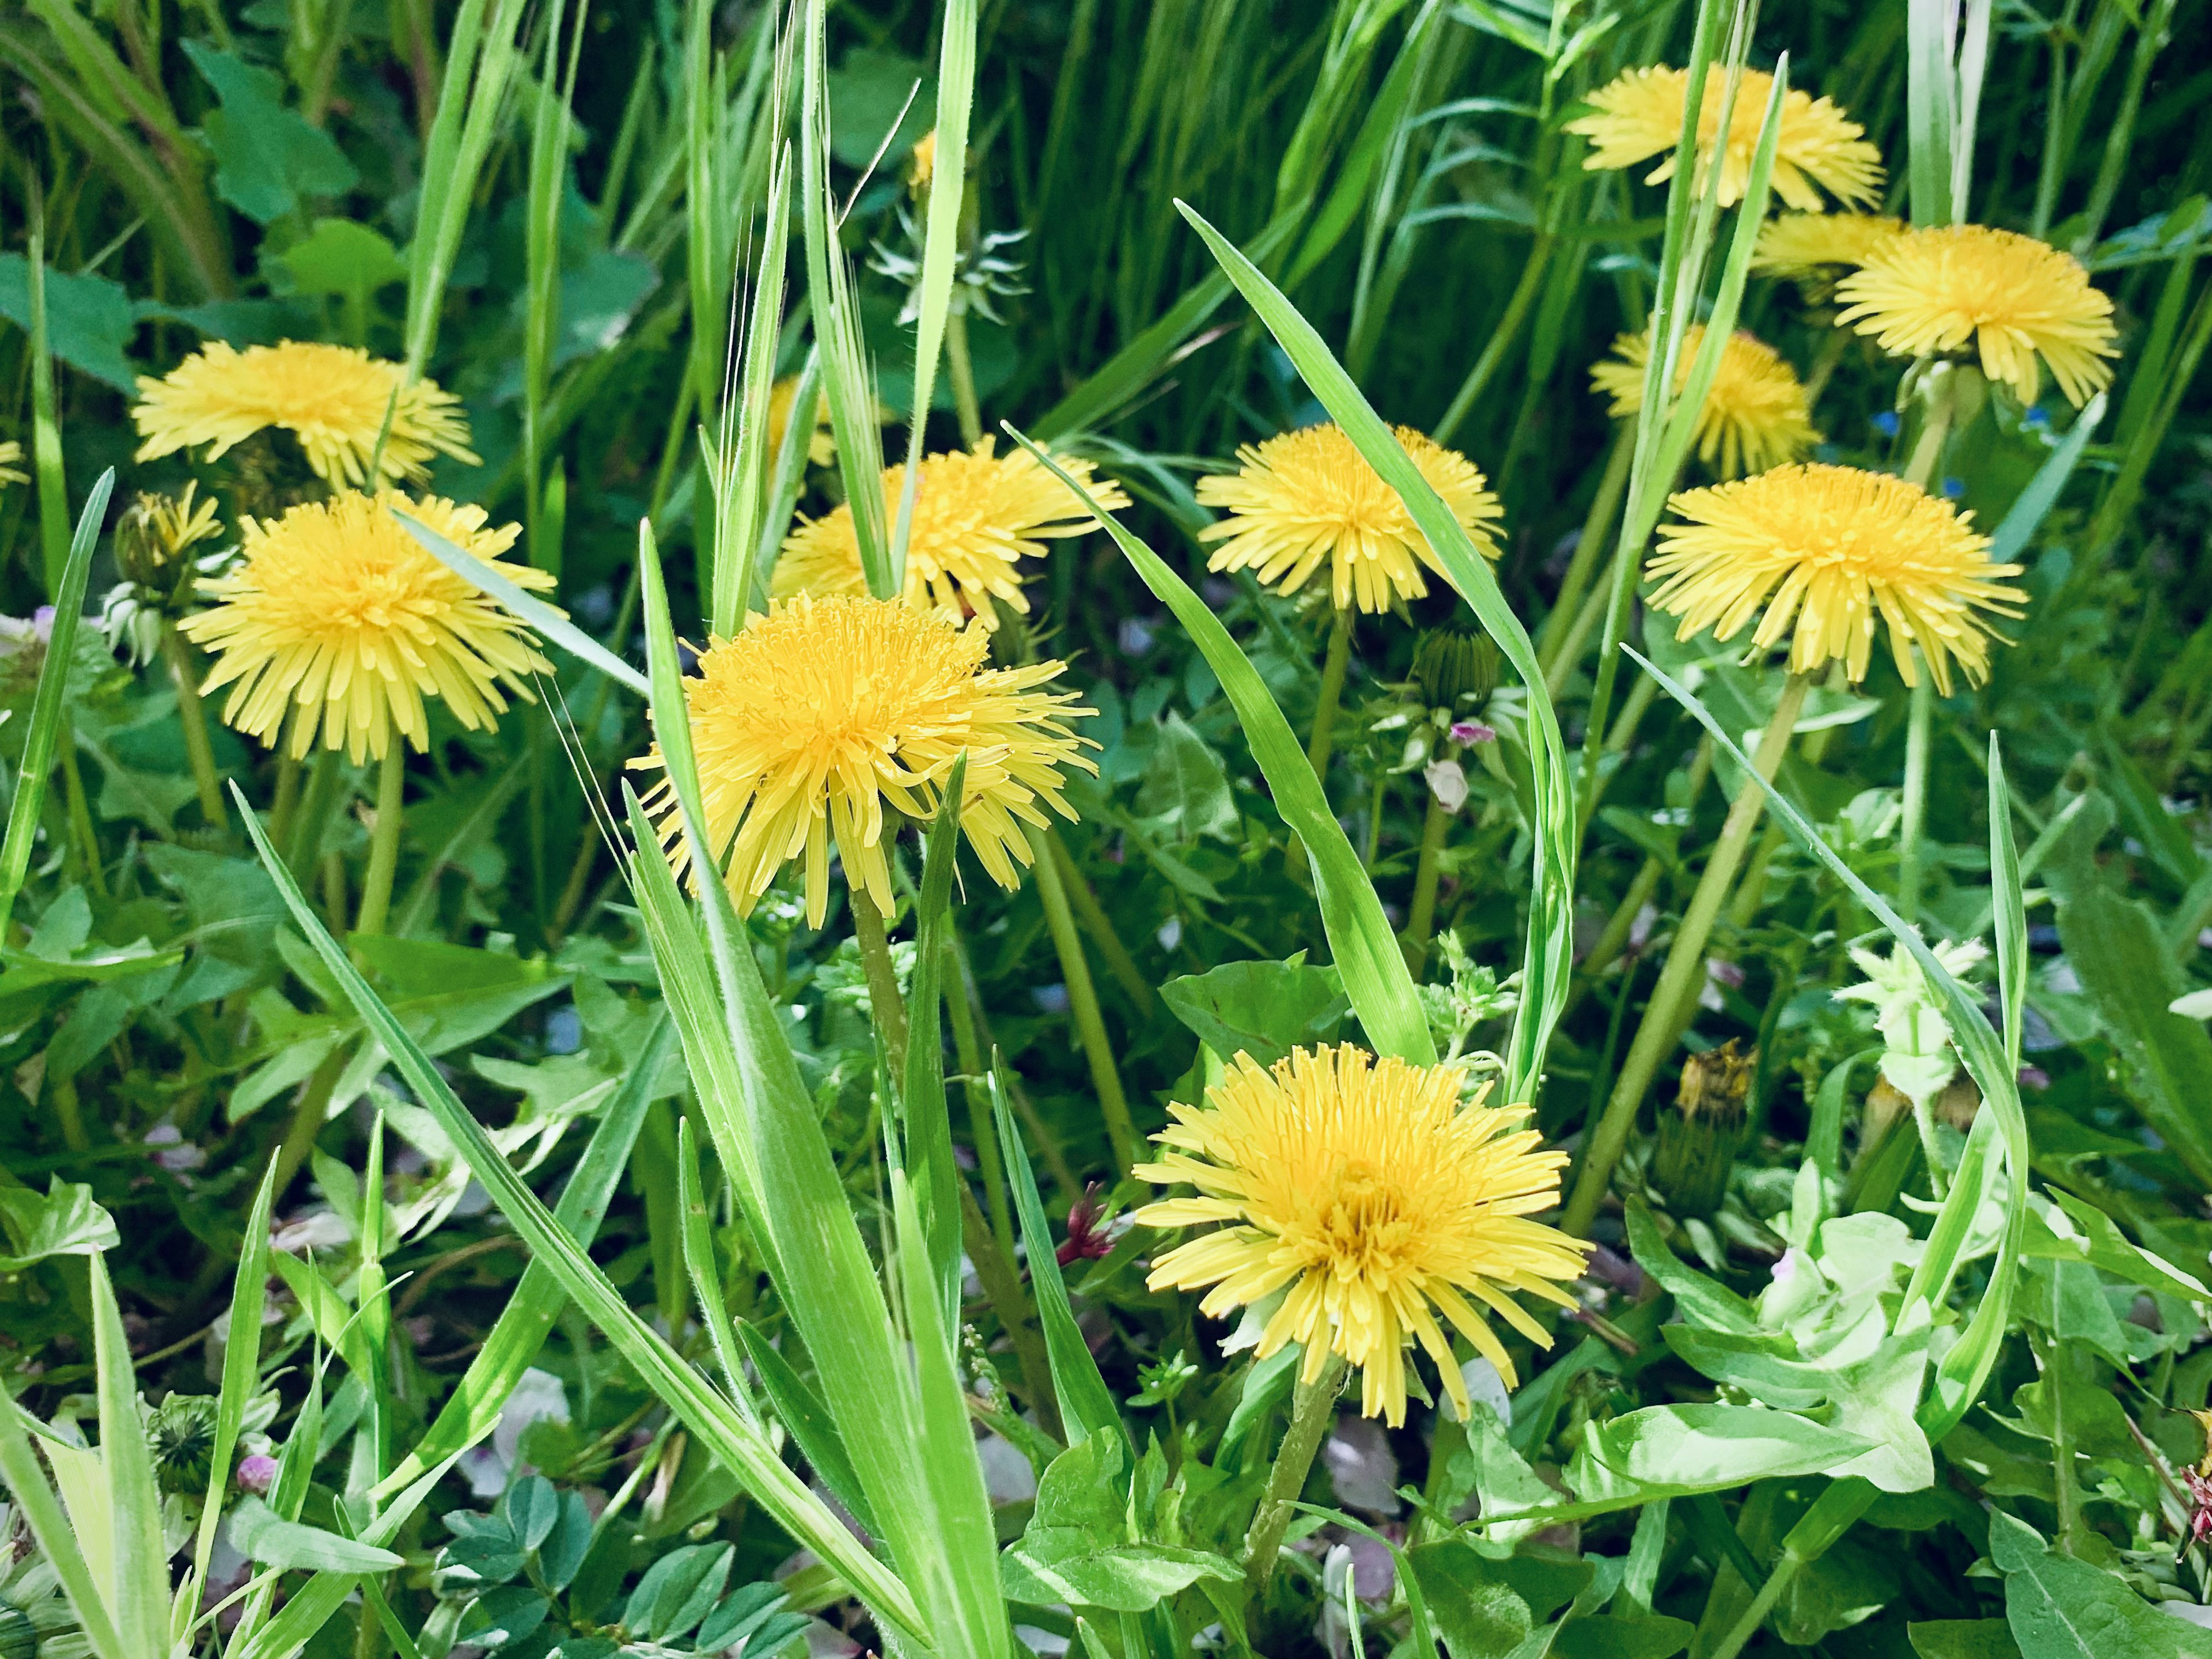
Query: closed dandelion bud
x=181, y=1434
x=1448, y=665
x=1701, y=1136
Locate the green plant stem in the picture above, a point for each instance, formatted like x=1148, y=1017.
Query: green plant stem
x=968, y=1049
x=384, y=840
x=308, y=1116
x=1501, y=340
x=2066, y=1482
x=1910, y=858
x=885, y=1004
x=67, y=1110
x=1568, y=646
x=1590, y=548
x=1100, y=926
x=1333, y=668
x=1083, y=1004
x=1313, y=1409
x=1002, y=1289
x=80, y=810
x=316, y=804
x=192, y=716
x=285, y=808
x=1684, y=970
x=46, y=421
x=961, y=371
x=1421, y=920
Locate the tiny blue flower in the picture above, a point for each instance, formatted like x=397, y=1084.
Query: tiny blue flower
x=1886, y=423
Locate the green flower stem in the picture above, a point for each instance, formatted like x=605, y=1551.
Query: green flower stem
x=1002, y=1289
x=961, y=371
x=1684, y=971
x=80, y=810
x=1332, y=670
x=284, y=810
x=1568, y=646
x=193, y=718
x=1502, y=339
x=1100, y=926
x=309, y=1117
x=885, y=1004
x=1313, y=1409
x=1927, y=454
x=1589, y=549
x=384, y=840
x=982, y=1135
x=317, y=807
x=1083, y=1004
x=1421, y=920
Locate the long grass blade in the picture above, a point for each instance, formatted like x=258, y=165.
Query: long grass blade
x=940, y=247
x=241, y=1374
x=47, y=703
x=45, y=429
x=1359, y=937
x=547, y=620
x=141, y=1558
x=711, y=1419
x=52, y=1532
x=2026, y=516
x=928, y=1118
x=472, y=1411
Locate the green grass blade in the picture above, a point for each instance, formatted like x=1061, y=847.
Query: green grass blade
x=789, y=476
x=47, y=708
x=1359, y=936
x=940, y=246
x=50, y=1529
x=928, y=1118
x=801, y=1412
x=46, y=432
x=470, y=108
x=852, y=385
x=821, y=1264
x=241, y=1375
x=1087, y=1405
x=712, y=1419
x=2026, y=516
x=970, y=1606
x=699, y=1264
x=1965, y=1368
x=548, y=621
x=1931, y=124
x=472, y=1411
x=142, y=1559
x=1549, y=955
x=745, y=488
x=549, y=171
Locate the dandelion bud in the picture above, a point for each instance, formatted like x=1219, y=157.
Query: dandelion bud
x=1448, y=665
x=1699, y=1138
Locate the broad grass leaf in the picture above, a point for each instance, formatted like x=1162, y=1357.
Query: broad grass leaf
x=260, y=1534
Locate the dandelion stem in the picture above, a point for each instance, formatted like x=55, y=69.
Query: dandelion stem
x=1083, y=1004
x=80, y=812
x=1589, y=547
x=1421, y=920
x=1656, y=1033
x=1333, y=668
x=961, y=371
x=1100, y=926
x=1910, y=855
x=193, y=718
x=884, y=1003
x=968, y=1050
x=384, y=840
x=1313, y=1409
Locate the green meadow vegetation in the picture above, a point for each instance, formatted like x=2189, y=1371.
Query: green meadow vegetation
x=1340, y=828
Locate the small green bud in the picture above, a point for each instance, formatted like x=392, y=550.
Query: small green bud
x=1701, y=1135
x=1449, y=665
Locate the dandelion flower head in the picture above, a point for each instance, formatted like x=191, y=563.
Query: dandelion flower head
x=331, y=398
x=2015, y=298
x=825, y=710
x=977, y=516
x=1833, y=551
x=337, y=611
x=921, y=164
x=1756, y=415
x=821, y=448
x=1359, y=1200
x=1639, y=115
x=1809, y=244
x=1309, y=496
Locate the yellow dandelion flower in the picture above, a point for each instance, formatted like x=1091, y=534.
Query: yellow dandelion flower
x=1809, y=244
x=1369, y=1200
x=821, y=449
x=976, y=515
x=1755, y=416
x=823, y=712
x=335, y=609
x=332, y=399
x=1308, y=495
x=1837, y=549
x=1639, y=115
x=2015, y=298
x=922, y=165
x=11, y=462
